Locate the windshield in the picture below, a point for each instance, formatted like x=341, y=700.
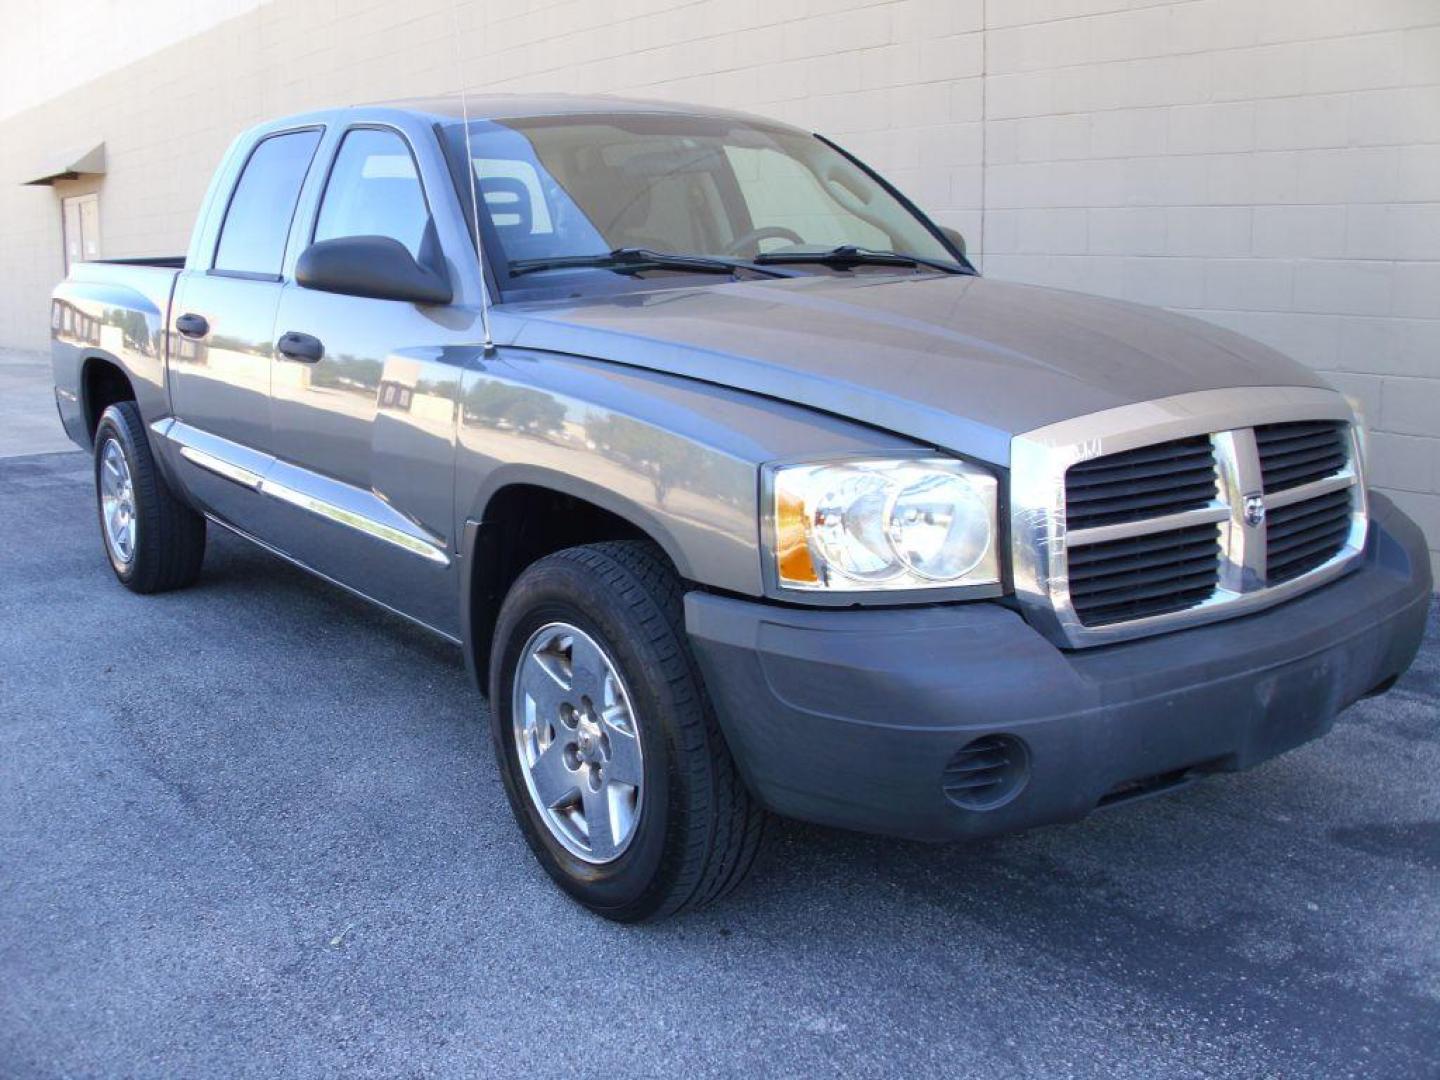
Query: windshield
x=567, y=186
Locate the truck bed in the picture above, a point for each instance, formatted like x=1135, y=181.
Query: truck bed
x=167, y=262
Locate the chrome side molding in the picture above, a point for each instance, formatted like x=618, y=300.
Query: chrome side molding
x=355, y=520
x=344, y=504
x=220, y=466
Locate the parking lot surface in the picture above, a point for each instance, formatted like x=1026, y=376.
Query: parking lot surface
x=29, y=422
x=254, y=829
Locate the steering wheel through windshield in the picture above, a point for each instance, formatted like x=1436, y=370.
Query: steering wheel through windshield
x=750, y=241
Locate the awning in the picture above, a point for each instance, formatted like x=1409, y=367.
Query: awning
x=69, y=164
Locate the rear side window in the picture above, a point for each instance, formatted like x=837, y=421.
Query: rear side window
x=252, y=240
x=374, y=190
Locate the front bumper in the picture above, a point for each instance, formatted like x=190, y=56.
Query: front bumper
x=850, y=717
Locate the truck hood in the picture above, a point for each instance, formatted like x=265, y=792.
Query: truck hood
x=957, y=362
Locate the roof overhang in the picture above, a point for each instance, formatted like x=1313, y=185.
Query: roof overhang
x=71, y=164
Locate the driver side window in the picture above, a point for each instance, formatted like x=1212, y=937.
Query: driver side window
x=374, y=190
x=780, y=191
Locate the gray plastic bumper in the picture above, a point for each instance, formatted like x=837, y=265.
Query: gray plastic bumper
x=850, y=717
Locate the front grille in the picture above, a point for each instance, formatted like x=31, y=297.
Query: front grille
x=1161, y=535
x=1135, y=576
x=1119, y=580
x=1303, y=535
x=1153, y=480
x=1300, y=453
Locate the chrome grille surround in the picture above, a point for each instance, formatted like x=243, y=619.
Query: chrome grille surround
x=1040, y=542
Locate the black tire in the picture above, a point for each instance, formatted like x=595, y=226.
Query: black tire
x=699, y=830
x=169, y=537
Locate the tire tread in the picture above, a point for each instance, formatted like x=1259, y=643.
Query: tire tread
x=725, y=827
x=172, y=535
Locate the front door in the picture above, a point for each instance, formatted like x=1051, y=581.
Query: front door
x=364, y=426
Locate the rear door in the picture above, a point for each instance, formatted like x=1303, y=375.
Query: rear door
x=222, y=323
x=365, y=434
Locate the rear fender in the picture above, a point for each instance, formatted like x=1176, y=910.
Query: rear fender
x=114, y=315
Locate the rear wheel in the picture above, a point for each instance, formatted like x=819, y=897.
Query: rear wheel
x=154, y=541
x=613, y=763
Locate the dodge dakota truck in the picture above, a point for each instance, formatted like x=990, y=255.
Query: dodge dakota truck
x=740, y=490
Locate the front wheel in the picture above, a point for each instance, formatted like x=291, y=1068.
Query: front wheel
x=154, y=541
x=612, y=760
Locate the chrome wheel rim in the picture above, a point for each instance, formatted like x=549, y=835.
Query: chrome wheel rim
x=577, y=742
x=117, y=503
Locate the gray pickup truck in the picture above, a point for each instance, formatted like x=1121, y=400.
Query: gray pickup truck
x=740, y=490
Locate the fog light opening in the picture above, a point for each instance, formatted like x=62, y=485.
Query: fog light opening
x=986, y=773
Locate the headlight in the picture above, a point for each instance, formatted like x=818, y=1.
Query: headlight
x=890, y=524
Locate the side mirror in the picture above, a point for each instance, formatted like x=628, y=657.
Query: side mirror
x=375, y=266
x=954, y=236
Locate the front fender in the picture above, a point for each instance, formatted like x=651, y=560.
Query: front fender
x=676, y=458
x=659, y=526
x=679, y=462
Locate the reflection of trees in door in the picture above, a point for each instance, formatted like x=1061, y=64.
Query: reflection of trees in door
x=82, y=228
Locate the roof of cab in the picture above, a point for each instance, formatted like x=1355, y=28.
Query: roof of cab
x=512, y=106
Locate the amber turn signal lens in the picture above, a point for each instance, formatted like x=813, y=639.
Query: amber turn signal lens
x=792, y=549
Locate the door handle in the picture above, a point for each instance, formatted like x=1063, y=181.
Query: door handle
x=304, y=348
x=192, y=325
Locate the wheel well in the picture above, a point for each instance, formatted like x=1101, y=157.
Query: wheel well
x=103, y=384
x=524, y=523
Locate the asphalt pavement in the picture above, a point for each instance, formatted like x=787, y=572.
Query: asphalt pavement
x=254, y=829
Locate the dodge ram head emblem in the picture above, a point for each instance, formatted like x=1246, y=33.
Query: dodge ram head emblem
x=1254, y=510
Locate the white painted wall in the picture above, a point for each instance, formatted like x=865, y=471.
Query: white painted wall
x=1272, y=165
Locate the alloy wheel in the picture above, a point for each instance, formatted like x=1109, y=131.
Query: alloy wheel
x=117, y=502
x=577, y=741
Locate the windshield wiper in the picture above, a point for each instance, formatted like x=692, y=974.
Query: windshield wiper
x=632, y=259
x=851, y=255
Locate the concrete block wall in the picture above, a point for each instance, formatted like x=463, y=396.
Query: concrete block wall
x=1271, y=165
